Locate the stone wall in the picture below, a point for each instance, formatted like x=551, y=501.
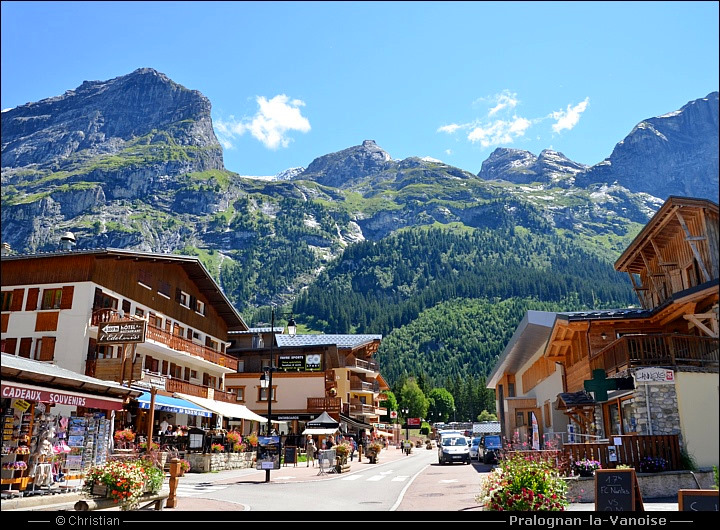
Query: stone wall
x=652, y=485
x=664, y=414
x=204, y=463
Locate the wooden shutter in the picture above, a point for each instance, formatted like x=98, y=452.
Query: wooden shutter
x=17, y=300
x=164, y=368
x=4, y=319
x=25, y=345
x=178, y=294
x=32, y=299
x=47, y=352
x=9, y=346
x=67, y=297
x=46, y=321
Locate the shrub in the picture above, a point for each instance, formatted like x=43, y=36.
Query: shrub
x=524, y=482
x=125, y=481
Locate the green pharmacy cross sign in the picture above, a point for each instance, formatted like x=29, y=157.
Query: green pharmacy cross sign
x=600, y=385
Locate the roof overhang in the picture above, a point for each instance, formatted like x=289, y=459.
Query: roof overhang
x=531, y=334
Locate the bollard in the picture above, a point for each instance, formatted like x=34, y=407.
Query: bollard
x=174, y=479
x=359, y=453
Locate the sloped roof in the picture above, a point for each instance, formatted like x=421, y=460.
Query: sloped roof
x=574, y=399
x=341, y=341
x=22, y=369
x=324, y=420
x=193, y=267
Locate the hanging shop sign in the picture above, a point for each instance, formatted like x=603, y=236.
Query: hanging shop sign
x=21, y=405
x=654, y=375
x=121, y=332
x=58, y=397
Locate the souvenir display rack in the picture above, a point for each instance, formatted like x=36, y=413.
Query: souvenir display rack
x=17, y=432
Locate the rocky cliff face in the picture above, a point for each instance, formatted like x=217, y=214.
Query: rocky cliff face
x=522, y=167
x=672, y=154
x=346, y=167
x=103, y=117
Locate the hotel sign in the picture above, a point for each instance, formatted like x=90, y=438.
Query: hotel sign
x=654, y=375
x=121, y=332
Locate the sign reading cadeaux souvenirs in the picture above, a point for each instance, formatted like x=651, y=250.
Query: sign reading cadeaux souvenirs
x=121, y=332
x=305, y=363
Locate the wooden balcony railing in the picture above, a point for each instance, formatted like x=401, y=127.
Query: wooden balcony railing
x=324, y=404
x=365, y=365
x=666, y=349
x=191, y=389
x=633, y=450
x=360, y=385
x=359, y=408
x=177, y=343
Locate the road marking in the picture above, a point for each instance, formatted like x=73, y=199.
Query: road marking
x=376, y=478
x=352, y=477
x=198, y=489
x=400, y=479
x=448, y=481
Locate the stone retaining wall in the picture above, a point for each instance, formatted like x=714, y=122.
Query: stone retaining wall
x=652, y=485
x=204, y=463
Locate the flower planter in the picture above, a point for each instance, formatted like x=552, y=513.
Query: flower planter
x=586, y=473
x=100, y=490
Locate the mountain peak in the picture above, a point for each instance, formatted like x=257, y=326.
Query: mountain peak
x=342, y=168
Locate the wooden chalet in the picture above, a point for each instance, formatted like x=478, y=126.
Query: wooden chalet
x=651, y=371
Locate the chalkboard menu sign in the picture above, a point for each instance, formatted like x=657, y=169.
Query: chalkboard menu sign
x=698, y=500
x=290, y=456
x=616, y=490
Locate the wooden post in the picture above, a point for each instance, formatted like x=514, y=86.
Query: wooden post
x=174, y=479
x=151, y=416
x=359, y=453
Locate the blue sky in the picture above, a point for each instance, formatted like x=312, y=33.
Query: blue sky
x=291, y=81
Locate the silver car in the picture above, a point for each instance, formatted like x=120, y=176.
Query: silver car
x=474, y=448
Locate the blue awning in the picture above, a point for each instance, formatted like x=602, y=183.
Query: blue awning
x=170, y=404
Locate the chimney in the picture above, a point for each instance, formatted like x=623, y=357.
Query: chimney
x=6, y=249
x=67, y=241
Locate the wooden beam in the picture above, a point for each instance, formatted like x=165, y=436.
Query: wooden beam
x=688, y=238
x=701, y=326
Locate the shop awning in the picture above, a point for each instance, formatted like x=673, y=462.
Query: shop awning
x=14, y=390
x=320, y=431
x=229, y=410
x=171, y=404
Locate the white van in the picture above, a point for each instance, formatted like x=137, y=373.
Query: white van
x=453, y=448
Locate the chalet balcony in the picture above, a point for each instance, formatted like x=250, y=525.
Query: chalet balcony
x=177, y=343
x=323, y=404
x=174, y=342
x=191, y=389
x=665, y=349
x=359, y=385
x=360, y=409
x=362, y=366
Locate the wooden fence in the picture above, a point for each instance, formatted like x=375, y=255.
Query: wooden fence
x=631, y=452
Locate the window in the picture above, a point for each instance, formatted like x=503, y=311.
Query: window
x=264, y=394
x=519, y=418
x=145, y=278
x=7, y=297
x=511, y=389
x=139, y=312
x=200, y=307
x=193, y=374
x=51, y=299
x=103, y=300
x=164, y=289
x=182, y=298
x=9, y=346
x=239, y=393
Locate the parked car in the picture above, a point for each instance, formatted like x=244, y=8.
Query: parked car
x=489, y=448
x=474, y=448
x=453, y=449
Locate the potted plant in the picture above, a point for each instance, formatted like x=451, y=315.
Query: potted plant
x=342, y=450
x=252, y=439
x=373, y=451
x=651, y=464
x=586, y=467
x=240, y=447
x=184, y=467
x=123, y=482
x=153, y=446
x=233, y=438
x=217, y=448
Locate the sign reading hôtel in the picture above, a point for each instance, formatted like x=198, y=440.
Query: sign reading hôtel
x=121, y=332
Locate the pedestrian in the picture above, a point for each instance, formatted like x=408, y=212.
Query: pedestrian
x=310, y=451
x=353, y=448
x=329, y=443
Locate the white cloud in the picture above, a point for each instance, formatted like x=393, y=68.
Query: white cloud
x=499, y=132
x=567, y=119
x=504, y=100
x=449, y=128
x=448, y=151
x=271, y=124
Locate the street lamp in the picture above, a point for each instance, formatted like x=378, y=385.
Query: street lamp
x=266, y=377
x=407, y=427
